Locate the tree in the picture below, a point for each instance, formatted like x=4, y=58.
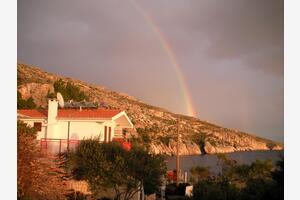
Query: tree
x=151, y=168
x=35, y=180
x=108, y=165
x=69, y=91
x=227, y=166
x=23, y=103
x=278, y=173
x=199, y=173
x=27, y=155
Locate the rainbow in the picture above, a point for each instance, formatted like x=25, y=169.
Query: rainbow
x=168, y=49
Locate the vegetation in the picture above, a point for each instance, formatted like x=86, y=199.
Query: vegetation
x=143, y=137
x=178, y=191
x=165, y=139
x=68, y=90
x=25, y=103
x=199, y=173
x=76, y=196
x=108, y=165
x=259, y=180
x=34, y=178
x=271, y=145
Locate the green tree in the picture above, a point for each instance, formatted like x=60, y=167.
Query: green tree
x=23, y=103
x=109, y=165
x=69, y=91
x=199, y=173
x=227, y=166
x=150, y=171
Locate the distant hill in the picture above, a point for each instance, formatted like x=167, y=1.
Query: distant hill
x=157, y=125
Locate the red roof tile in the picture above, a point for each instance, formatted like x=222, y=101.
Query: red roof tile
x=91, y=113
x=33, y=113
x=71, y=113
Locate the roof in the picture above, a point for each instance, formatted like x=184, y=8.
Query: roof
x=29, y=113
x=71, y=113
x=90, y=113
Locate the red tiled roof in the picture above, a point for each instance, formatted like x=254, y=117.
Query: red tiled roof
x=91, y=113
x=71, y=113
x=33, y=113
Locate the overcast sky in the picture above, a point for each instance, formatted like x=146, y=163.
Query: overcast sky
x=230, y=53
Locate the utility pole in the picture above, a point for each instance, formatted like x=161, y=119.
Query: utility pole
x=177, y=155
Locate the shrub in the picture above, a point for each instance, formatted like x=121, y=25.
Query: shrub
x=76, y=196
x=210, y=190
x=69, y=91
x=271, y=145
x=165, y=139
x=25, y=103
x=199, y=173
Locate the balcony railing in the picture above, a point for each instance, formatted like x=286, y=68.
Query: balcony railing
x=54, y=145
x=57, y=146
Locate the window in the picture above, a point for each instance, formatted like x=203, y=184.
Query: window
x=37, y=126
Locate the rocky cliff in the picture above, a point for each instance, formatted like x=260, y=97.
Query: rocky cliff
x=157, y=124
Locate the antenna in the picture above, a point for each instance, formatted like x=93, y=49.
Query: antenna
x=60, y=99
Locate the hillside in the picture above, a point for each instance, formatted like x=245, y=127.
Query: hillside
x=158, y=125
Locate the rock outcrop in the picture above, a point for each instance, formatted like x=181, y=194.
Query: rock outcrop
x=38, y=91
x=187, y=148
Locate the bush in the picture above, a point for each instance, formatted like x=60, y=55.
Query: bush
x=165, y=139
x=69, y=91
x=199, y=173
x=260, y=189
x=76, y=196
x=271, y=145
x=143, y=137
x=210, y=190
x=23, y=103
x=172, y=189
x=257, y=181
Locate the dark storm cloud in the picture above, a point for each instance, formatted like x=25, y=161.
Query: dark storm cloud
x=231, y=53
x=227, y=29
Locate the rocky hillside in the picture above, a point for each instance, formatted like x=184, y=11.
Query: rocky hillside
x=156, y=125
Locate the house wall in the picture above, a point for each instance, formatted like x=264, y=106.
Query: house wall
x=79, y=129
x=118, y=132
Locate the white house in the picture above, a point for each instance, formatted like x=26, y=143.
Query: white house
x=65, y=125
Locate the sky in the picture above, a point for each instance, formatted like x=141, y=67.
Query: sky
x=222, y=58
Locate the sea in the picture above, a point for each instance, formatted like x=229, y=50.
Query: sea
x=210, y=160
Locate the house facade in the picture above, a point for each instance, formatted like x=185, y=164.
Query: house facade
x=67, y=125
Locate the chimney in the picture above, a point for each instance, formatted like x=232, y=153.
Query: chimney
x=52, y=110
